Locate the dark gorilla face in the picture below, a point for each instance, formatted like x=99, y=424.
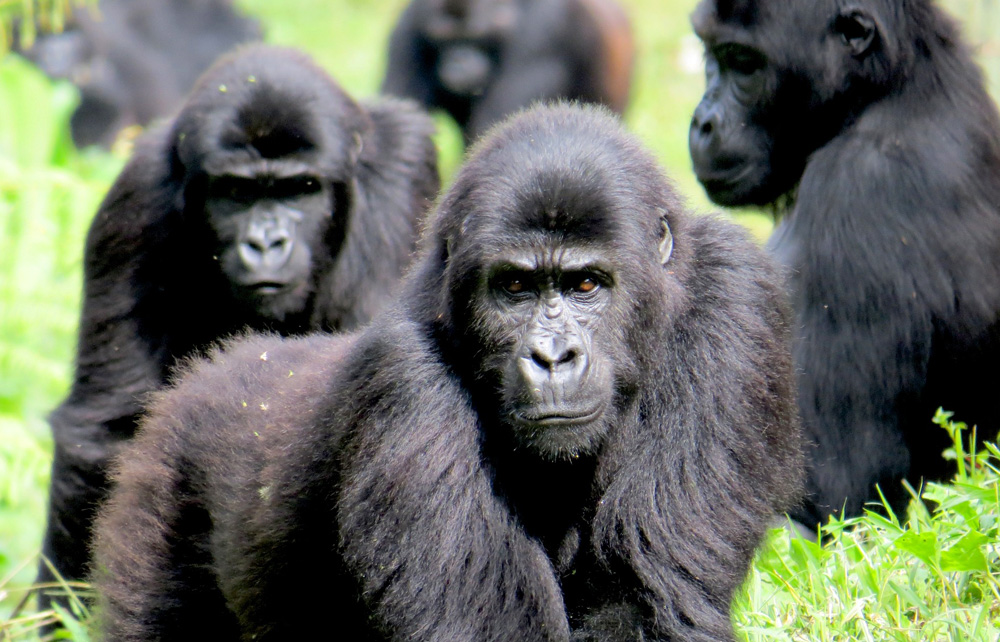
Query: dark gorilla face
x=781, y=79
x=266, y=230
x=556, y=372
x=468, y=35
x=550, y=308
x=267, y=156
x=548, y=271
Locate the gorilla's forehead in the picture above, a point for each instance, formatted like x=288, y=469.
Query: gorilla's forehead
x=711, y=17
x=547, y=218
x=547, y=254
x=735, y=20
x=490, y=244
x=570, y=201
x=544, y=223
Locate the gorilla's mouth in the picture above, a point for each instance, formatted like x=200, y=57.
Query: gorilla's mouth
x=743, y=185
x=266, y=288
x=725, y=176
x=562, y=417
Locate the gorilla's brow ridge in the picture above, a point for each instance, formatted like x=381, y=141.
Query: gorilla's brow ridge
x=569, y=259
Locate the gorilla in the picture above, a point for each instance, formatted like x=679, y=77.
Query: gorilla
x=480, y=60
x=272, y=201
x=869, y=127
x=576, y=422
x=134, y=60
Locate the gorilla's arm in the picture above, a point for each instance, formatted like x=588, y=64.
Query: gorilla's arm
x=685, y=503
x=118, y=359
x=190, y=484
x=396, y=176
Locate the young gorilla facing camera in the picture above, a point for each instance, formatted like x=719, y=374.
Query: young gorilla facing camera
x=576, y=423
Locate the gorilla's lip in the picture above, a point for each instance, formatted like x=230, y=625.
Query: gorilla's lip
x=265, y=288
x=729, y=188
x=561, y=416
x=726, y=179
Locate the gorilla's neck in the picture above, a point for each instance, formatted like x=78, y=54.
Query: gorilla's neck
x=548, y=497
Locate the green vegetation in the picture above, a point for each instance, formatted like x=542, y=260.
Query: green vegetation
x=48, y=192
x=931, y=575
x=44, y=15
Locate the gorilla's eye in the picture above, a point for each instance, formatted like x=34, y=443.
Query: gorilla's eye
x=294, y=187
x=240, y=190
x=740, y=59
x=582, y=283
x=586, y=285
x=514, y=284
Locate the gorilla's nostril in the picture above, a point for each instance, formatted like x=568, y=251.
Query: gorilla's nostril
x=568, y=357
x=541, y=361
x=706, y=128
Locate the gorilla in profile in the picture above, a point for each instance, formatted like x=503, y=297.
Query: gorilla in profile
x=272, y=201
x=576, y=422
x=869, y=125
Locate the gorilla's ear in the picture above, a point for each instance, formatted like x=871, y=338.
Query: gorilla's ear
x=666, y=246
x=857, y=28
x=357, y=147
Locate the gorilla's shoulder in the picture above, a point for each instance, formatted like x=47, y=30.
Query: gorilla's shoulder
x=400, y=119
x=733, y=266
x=244, y=369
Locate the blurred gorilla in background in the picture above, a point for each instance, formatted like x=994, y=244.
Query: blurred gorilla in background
x=273, y=201
x=135, y=60
x=869, y=126
x=480, y=60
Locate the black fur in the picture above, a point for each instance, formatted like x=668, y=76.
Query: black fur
x=155, y=288
x=481, y=60
x=871, y=123
x=359, y=487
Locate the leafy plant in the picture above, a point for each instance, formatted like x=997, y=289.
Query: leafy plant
x=26, y=18
x=48, y=193
x=934, y=577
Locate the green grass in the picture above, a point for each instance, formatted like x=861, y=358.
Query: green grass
x=932, y=578
x=935, y=576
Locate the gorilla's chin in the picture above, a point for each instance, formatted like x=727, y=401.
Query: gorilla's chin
x=274, y=300
x=745, y=183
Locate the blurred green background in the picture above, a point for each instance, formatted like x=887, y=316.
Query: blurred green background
x=49, y=191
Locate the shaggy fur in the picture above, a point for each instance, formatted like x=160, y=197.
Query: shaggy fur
x=154, y=289
x=363, y=487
